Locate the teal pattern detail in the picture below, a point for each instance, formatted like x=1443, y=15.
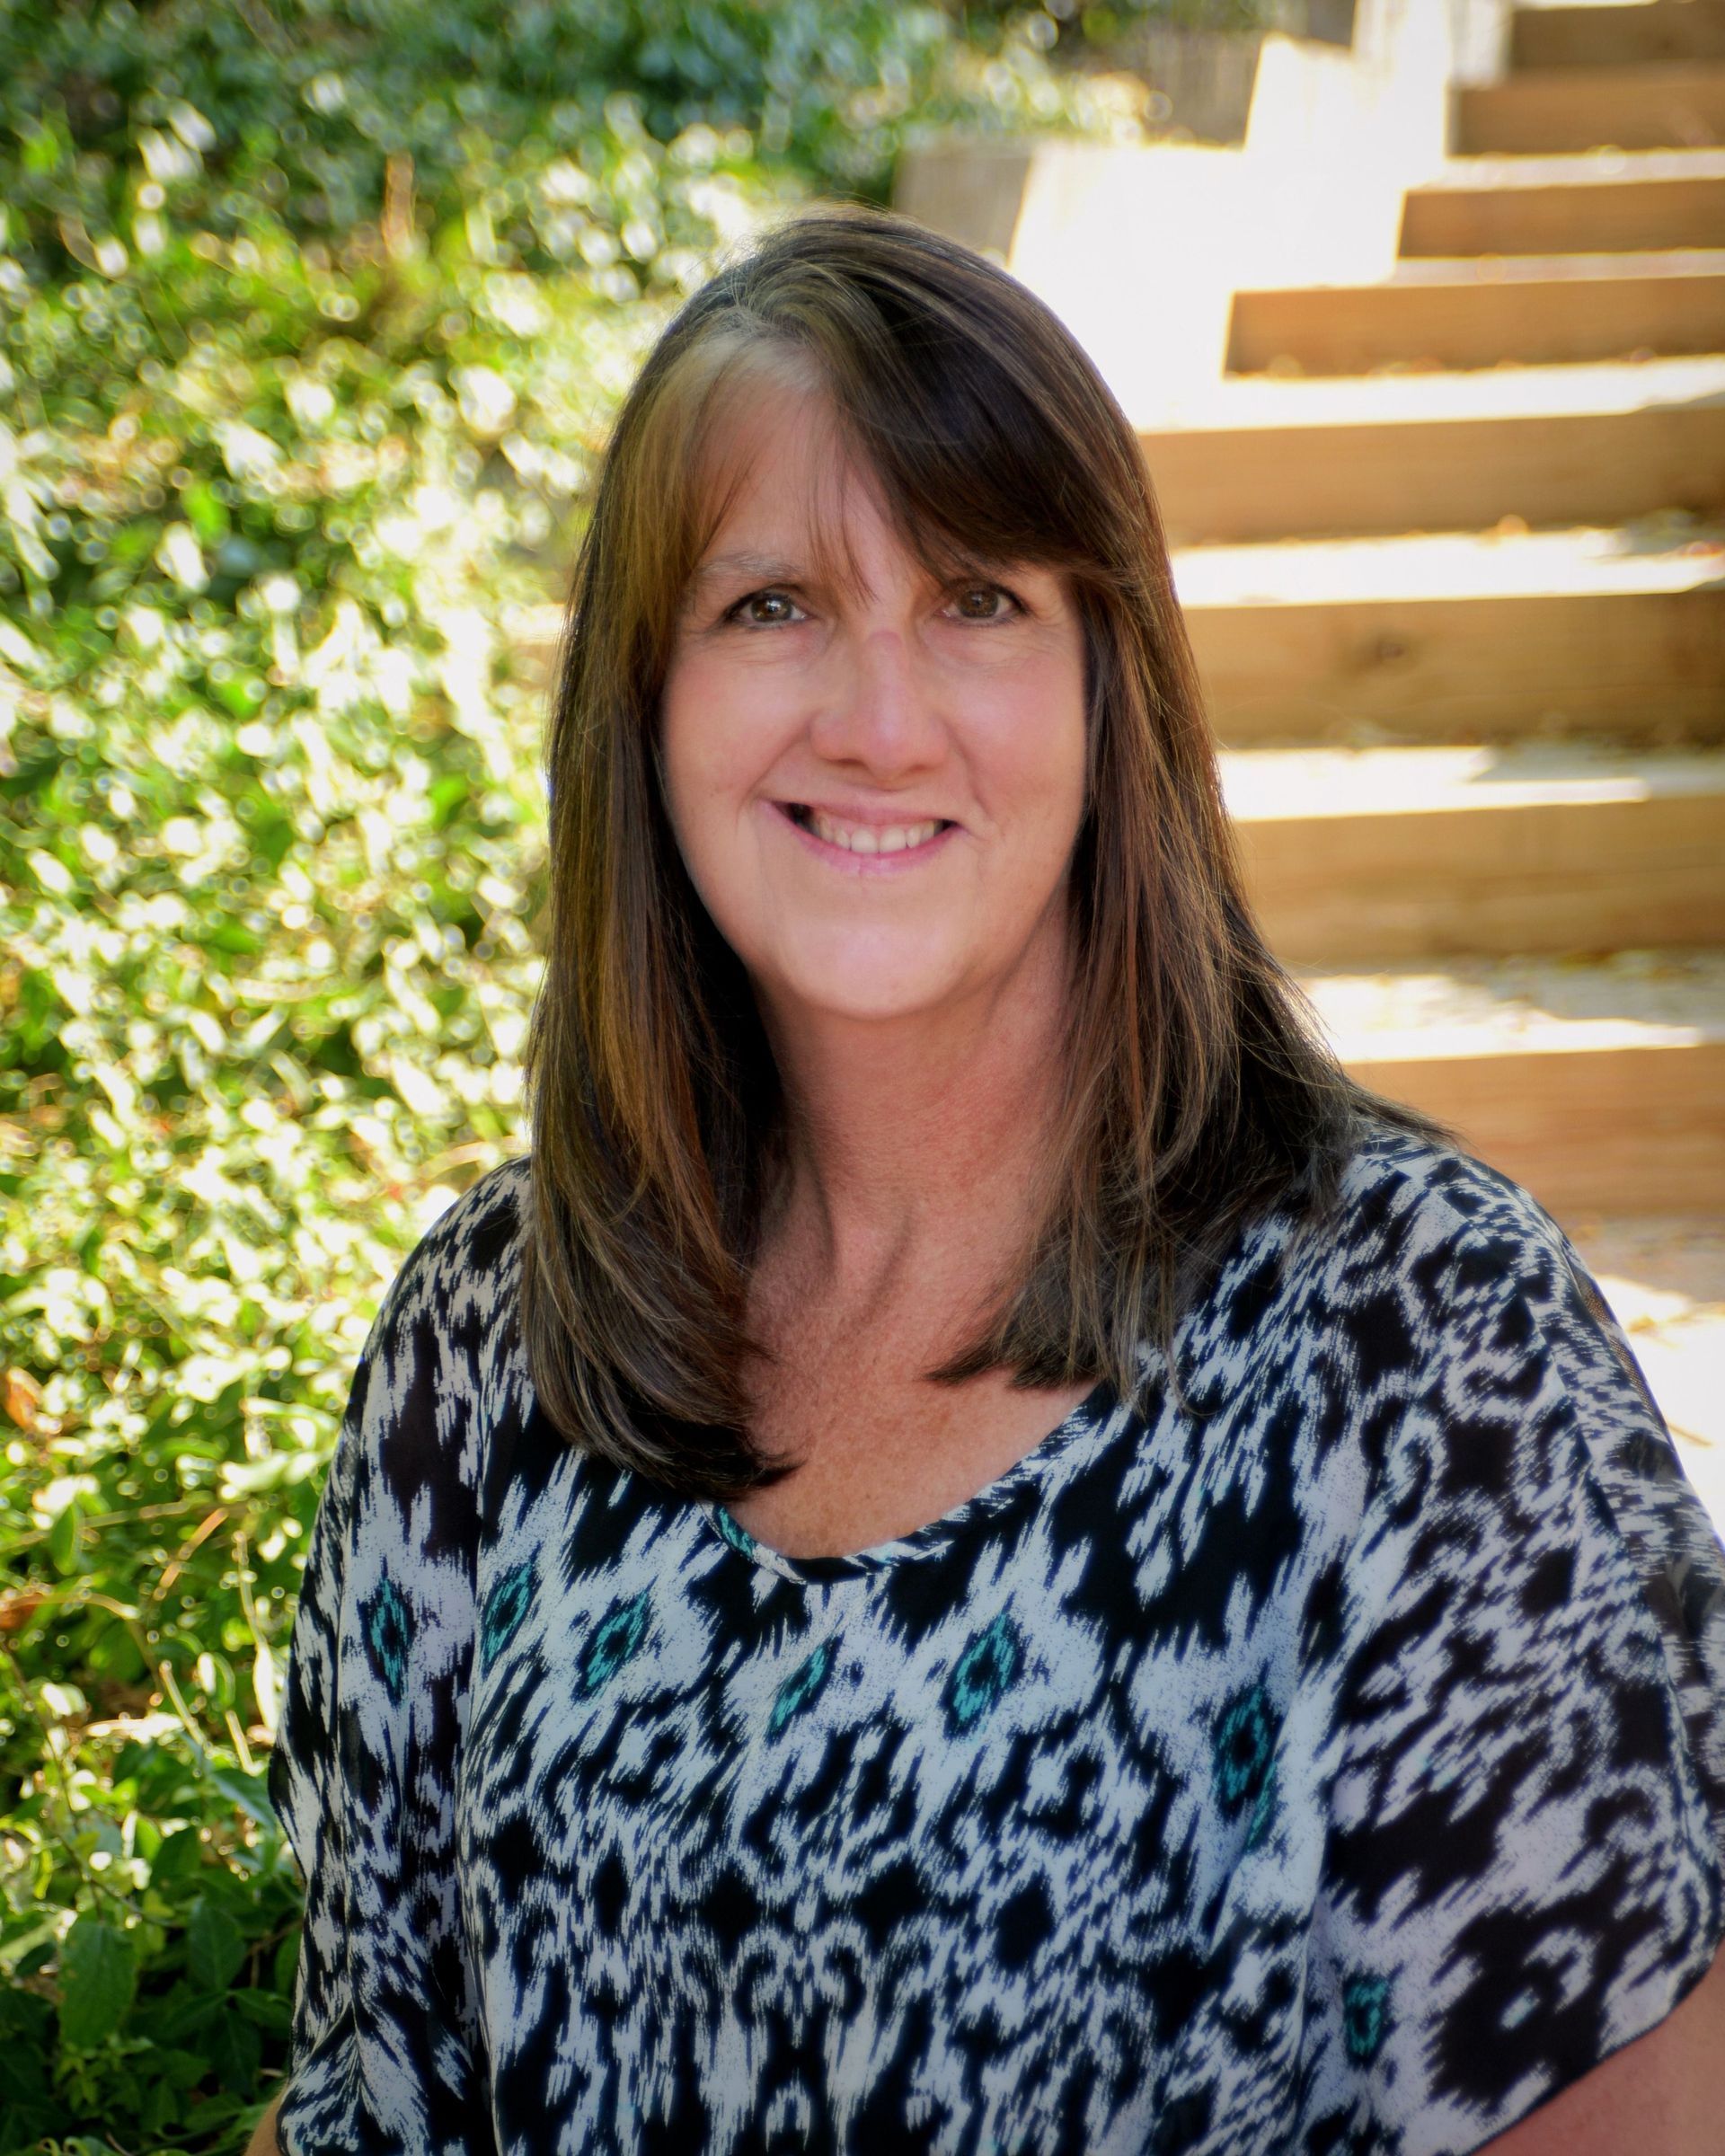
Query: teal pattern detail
x=505, y=1606
x=800, y=1687
x=620, y=1631
x=388, y=1631
x=1242, y=1758
x=984, y=1673
x=734, y=1532
x=1365, y=2017
x=1264, y=1810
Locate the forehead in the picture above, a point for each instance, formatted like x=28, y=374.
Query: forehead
x=782, y=480
x=780, y=483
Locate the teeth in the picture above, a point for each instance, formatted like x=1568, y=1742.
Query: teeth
x=872, y=838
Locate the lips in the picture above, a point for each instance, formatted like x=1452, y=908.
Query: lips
x=855, y=835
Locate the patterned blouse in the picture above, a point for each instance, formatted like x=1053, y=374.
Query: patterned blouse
x=1333, y=1763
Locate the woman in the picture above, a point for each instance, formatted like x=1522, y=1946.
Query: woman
x=979, y=1552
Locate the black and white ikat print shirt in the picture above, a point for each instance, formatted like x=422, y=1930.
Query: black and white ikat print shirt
x=1335, y=1765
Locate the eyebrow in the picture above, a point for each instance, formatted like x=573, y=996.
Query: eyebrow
x=773, y=569
x=767, y=567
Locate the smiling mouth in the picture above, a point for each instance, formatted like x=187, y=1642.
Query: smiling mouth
x=865, y=838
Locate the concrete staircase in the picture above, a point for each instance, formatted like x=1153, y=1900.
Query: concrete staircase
x=1451, y=545
x=1506, y=890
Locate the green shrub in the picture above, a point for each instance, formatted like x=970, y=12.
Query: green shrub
x=310, y=319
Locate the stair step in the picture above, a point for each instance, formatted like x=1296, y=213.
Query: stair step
x=1463, y=636
x=1676, y=106
x=1649, y=31
x=1606, y=200
x=1467, y=313
x=1597, y=1081
x=1325, y=457
x=1388, y=854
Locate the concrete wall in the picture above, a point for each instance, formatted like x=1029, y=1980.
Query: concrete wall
x=1202, y=80
x=1140, y=249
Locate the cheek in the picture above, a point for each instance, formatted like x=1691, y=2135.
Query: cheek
x=1033, y=758
x=1051, y=781
x=712, y=753
x=697, y=745
x=1069, y=736
x=683, y=748
x=718, y=735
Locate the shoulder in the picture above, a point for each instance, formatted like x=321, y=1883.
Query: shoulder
x=1441, y=1218
x=441, y=1364
x=1435, y=1320
x=1433, y=1260
x=1521, y=1464
x=1422, y=1244
x=1517, y=1695
x=465, y=1261
x=1490, y=1286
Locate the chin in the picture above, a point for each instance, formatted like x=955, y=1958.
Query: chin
x=836, y=985
x=865, y=1007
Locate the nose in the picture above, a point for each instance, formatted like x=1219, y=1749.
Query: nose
x=880, y=715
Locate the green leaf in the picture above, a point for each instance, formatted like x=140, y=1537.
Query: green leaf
x=64, y=1540
x=250, y=1792
x=23, y=1933
x=131, y=1760
x=214, y=1945
x=185, y=2015
x=23, y=2073
x=41, y=148
x=236, y=2052
x=179, y=1858
x=28, y=2123
x=268, y=2009
x=24, y=2018
x=98, y=1976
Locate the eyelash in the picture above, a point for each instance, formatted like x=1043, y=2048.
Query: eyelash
x=734, y=613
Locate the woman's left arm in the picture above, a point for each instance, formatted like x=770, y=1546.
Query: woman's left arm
x=1663, y=2094
x=1518, y=1701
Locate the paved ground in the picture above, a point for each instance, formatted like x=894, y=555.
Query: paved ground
x=1665, y=1279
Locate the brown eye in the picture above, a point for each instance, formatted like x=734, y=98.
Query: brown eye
x=765, y=609
x=982, y=602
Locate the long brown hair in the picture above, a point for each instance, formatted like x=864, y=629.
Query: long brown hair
x=1198, y=1091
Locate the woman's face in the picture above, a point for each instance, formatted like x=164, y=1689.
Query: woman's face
x=876, y=786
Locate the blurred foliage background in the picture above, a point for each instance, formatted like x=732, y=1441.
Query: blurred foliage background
x=312, y=316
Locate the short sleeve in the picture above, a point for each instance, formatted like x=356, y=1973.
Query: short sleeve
x=384, y=2055
x=1523, y=1752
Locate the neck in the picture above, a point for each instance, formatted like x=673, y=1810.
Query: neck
x=913, y=1137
